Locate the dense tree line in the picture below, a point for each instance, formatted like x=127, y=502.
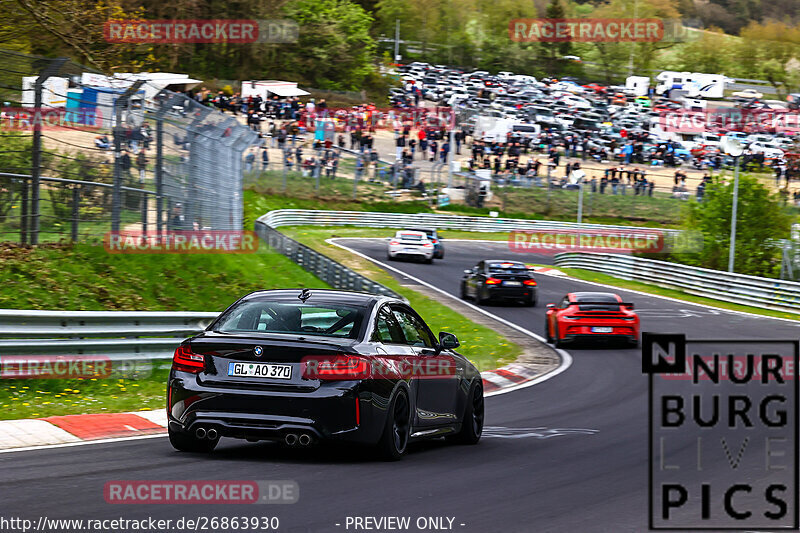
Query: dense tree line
x=342, y=42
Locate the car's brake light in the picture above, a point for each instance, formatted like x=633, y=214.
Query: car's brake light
x=394, y=243
x=427, y=245
x=531, y=282
x=187, y=361
x=333, y=368
x=493, y=281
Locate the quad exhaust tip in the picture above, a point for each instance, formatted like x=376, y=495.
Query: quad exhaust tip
x=294, y=439
x=203, y=433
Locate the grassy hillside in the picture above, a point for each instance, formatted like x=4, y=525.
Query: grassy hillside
x=85, y=277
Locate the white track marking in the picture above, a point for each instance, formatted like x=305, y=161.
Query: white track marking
x=82, y=443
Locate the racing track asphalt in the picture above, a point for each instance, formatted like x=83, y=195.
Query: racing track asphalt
x=589, y=477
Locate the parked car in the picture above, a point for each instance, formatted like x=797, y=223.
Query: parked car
x=747, y=94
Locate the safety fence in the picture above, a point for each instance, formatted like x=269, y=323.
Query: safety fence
x=742, y=289
x=82, y=154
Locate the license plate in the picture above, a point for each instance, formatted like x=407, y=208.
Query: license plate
x=512, y=283
x=410, y=250
x=602, y=329
x=260, y=370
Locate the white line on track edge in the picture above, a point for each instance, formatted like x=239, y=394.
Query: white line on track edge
x=82, y=443
x=566, y=358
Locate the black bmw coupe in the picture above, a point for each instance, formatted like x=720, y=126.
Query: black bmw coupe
x=303, y=366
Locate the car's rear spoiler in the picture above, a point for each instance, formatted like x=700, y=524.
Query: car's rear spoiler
x=623, y=304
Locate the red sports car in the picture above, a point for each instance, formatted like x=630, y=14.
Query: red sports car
x=591, y=316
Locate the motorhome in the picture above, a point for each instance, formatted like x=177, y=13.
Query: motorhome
x=696, y=84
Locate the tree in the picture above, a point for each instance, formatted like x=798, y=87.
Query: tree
x=761, y=220
x=710, y=53
x=553, y=52
x=334, y=50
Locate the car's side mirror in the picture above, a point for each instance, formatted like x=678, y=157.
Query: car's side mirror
x=448, y=341
x=551, y=306
x=468, y=272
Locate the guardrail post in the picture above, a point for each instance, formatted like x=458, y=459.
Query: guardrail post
x=23, y=221
x=144, y=213
x=116, y=198
x=36, y=148
x=76, y=201
x=160, y=171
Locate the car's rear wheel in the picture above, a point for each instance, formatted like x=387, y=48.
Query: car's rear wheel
x=185, y=442
x=429, y=260
x=463, y=291
x=396, y=432
x=472, y=423
x=557, y=340
x=480, y=300
x=530, y=301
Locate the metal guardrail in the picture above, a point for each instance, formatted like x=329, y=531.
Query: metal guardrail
x=742, y=289
x=304, y=217
x=118, y=335
x=333, y=273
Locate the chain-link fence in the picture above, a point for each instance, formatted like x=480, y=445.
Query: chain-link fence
x=82, y=154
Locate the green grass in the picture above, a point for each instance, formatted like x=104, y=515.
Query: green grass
x=562, y=204
x=530, y=204
x=29, y=398
x=589, y=275
x=86, y=277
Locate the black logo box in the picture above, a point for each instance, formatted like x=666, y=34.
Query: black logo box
x=678, y=366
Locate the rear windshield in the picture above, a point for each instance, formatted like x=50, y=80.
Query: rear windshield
x=507, y=268
x=331, y=320
x=411, y=237
x=596, y=302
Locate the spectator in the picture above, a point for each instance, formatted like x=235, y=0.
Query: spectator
x=102, y=142
x=141, y=164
